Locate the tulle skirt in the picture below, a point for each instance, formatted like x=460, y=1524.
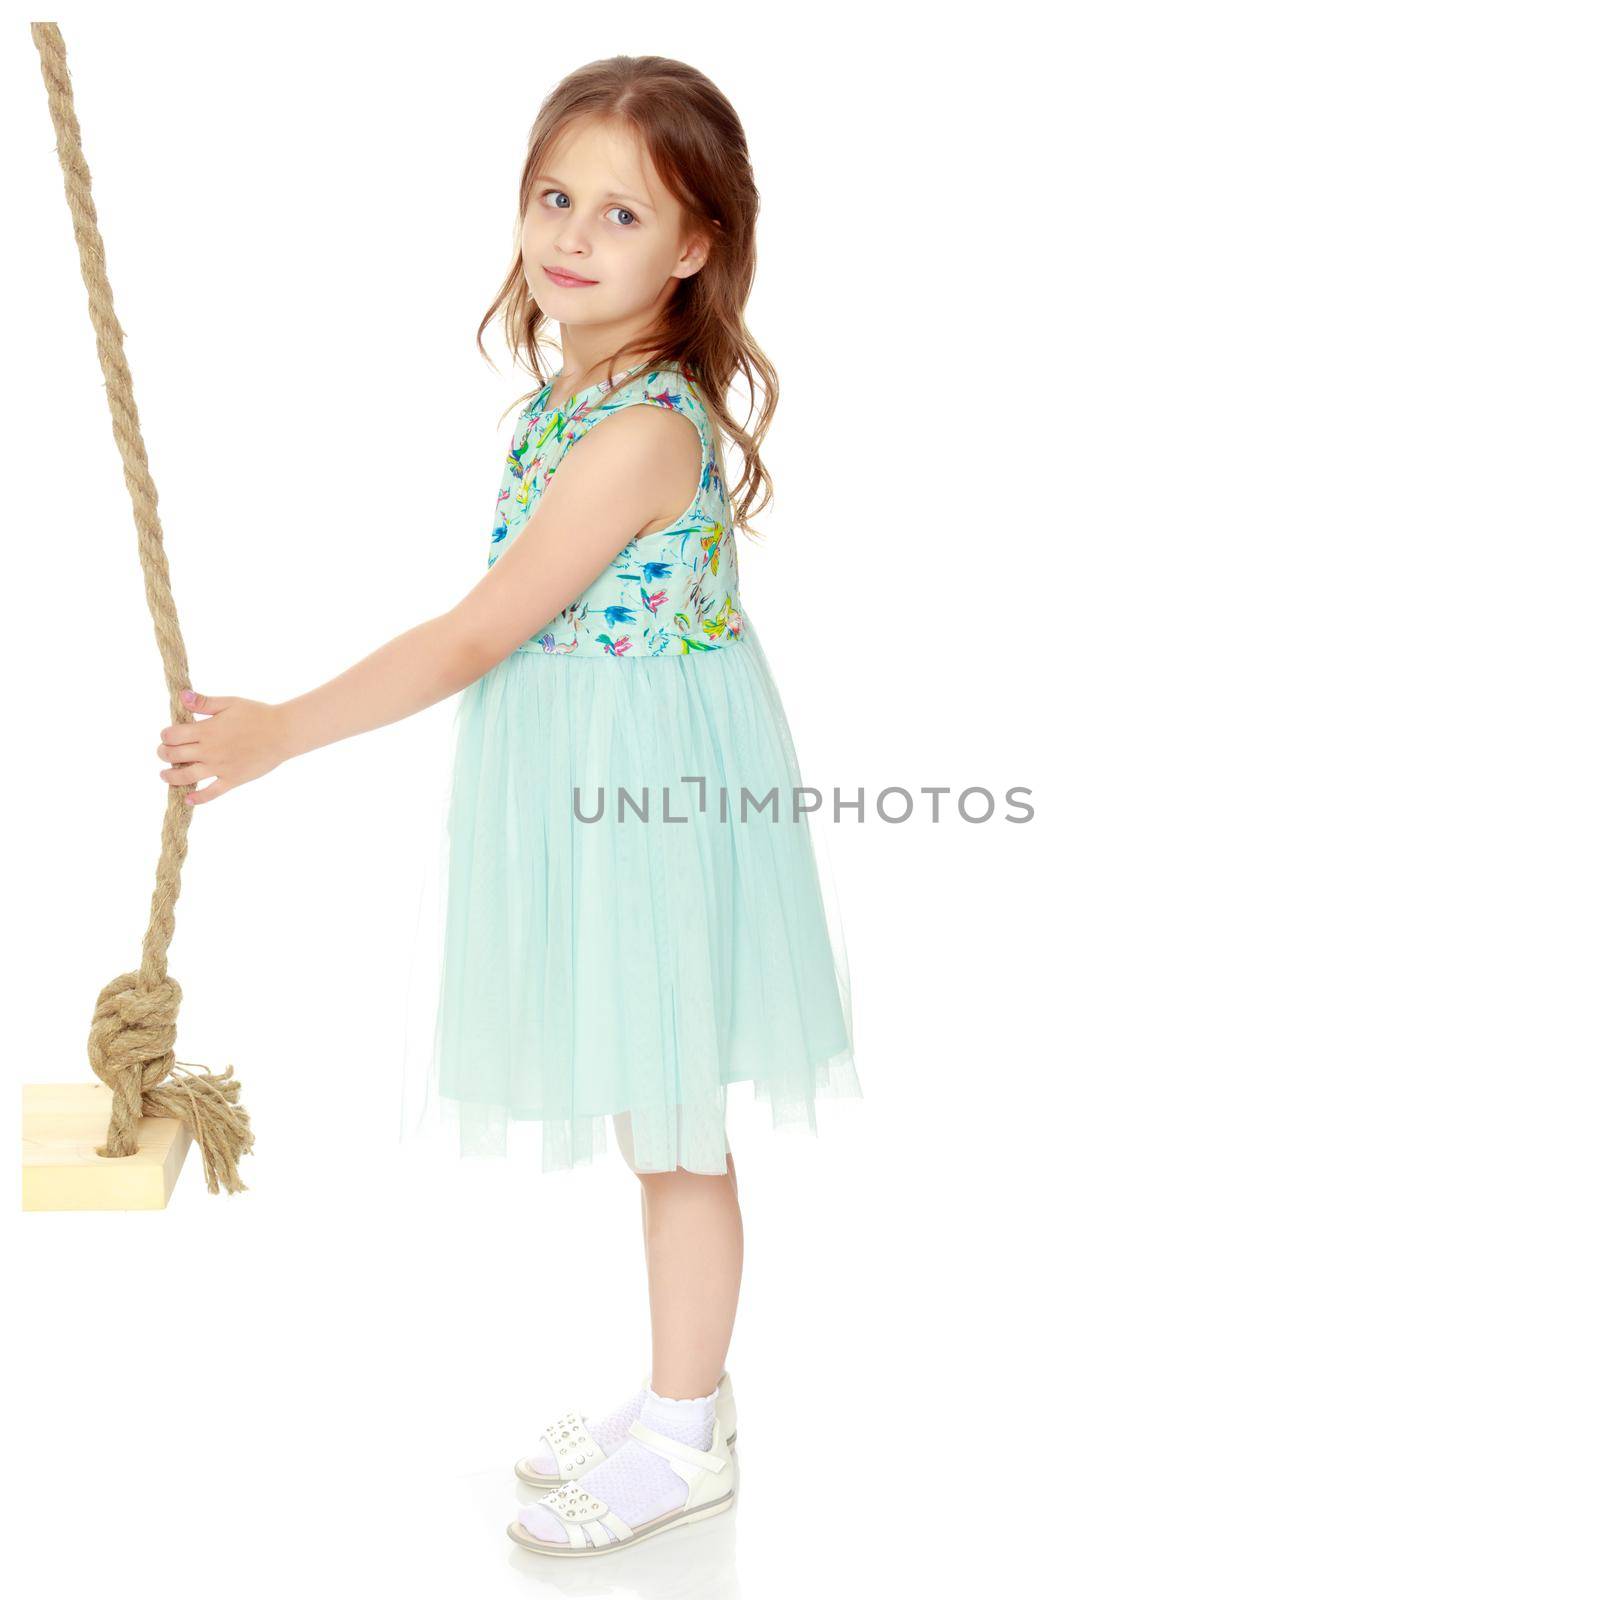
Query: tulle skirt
x=631, y=915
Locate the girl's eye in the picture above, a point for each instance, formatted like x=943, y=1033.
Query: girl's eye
x=545, y=195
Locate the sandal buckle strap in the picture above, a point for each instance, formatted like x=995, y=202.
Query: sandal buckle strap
x=707, y=1460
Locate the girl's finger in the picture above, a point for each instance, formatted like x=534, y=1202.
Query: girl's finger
x=192, y=773
x=201, y=796
x=207, y=703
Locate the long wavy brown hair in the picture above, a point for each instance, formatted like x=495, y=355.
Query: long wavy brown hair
x=697, y=144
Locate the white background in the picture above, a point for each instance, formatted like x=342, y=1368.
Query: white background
x=1188, y=413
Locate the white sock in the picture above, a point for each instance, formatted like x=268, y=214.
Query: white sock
x=636, y=1482
x=608, y=1431
x=688, y=1421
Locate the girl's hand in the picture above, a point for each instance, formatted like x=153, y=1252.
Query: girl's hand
x=239, y=740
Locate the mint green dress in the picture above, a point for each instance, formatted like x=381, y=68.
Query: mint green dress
x=633, y=915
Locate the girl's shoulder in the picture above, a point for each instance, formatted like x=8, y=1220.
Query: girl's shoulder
x=663, y=386
x=662, y=383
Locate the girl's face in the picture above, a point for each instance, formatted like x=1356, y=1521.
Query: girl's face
x=598, y=211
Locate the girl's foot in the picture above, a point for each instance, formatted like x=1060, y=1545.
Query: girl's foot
x=638, y=1485
x=572, y=1444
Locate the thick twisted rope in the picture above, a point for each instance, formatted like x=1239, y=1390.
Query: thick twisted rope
x=136, y=1016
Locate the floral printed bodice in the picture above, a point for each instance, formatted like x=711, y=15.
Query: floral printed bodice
x=672, y=592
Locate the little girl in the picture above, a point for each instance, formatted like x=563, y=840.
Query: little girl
x=634, y=918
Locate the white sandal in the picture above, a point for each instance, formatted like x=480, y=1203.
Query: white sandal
x=593, y=1529
x=575, y=1449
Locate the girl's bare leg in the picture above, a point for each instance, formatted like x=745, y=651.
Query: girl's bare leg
x=694, y=1254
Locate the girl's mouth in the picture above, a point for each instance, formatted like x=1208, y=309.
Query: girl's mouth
x=566, y=279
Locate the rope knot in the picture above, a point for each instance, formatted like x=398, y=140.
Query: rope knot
x=131, y=1050
x=134, y=1030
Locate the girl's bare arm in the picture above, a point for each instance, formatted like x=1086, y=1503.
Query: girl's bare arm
x=633, y=468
